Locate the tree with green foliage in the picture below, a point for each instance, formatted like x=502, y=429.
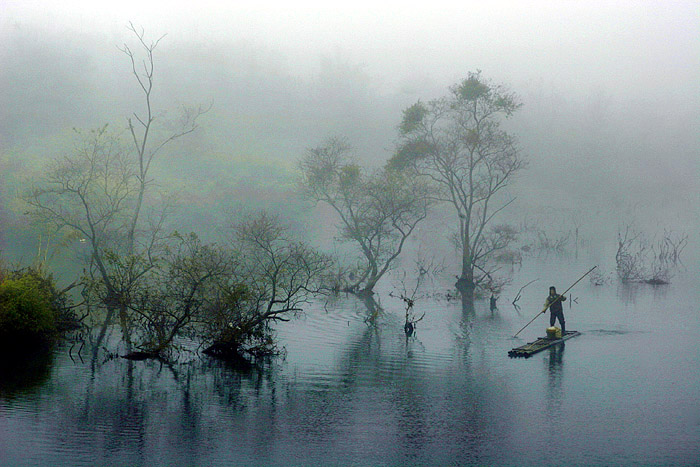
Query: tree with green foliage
x=25, y=309
x=170, y=302
x=272, y=277
x=378, y=211
x=457, y=143
x=31, y=308
x=225, y=297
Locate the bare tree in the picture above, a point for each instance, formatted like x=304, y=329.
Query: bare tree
x=670, y=248
x=630, y=255
x=457, y=142
x=141, y=126
x=424, y=269
x=377, y=212
x=100, y=189
x=555, y=242
x=519, y=295
x=91, y=193
x=639, y=259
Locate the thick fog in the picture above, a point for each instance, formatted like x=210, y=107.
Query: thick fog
x=610, y=122
x=242, y=276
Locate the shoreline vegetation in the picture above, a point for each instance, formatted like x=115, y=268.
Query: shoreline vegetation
x=33, y=312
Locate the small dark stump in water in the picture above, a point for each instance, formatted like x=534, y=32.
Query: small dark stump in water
x=138, y=355
x=656, y=281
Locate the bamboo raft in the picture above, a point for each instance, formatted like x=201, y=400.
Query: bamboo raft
x=528, y=350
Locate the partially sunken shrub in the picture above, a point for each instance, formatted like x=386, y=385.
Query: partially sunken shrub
x=26, y=311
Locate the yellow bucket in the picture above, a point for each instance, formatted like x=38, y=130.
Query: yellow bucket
x=553, y=333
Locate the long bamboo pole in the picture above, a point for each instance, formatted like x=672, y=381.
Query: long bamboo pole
x=558, y=298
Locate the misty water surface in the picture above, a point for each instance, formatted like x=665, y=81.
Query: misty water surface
x=625, y=392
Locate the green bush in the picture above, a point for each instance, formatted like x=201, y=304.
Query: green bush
x=26, y=307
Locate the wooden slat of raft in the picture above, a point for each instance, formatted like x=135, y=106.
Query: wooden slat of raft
x=540, y=344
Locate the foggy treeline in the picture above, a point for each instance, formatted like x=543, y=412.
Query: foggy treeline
x=600, y=150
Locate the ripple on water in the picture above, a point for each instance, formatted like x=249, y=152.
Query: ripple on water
x=609, y=332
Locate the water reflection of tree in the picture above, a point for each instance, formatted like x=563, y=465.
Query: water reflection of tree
x=129, y=408
x=24, y=372
x=477, y=326
x=385, y=397
x=121, y=412
x=628, y=293
x=364, y=363
x=409, y=397
x=464, y=337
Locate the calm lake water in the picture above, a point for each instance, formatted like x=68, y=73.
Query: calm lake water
x=625, y=392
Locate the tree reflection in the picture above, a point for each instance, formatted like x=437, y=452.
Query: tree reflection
x=383, y=396
x=629, y=293
x=397, y=385
x=122, y=412
x=464, y=337
x=24, y=371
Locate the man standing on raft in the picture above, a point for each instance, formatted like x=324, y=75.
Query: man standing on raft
x=553, y=302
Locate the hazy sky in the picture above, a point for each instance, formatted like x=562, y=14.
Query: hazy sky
x=632, y=47
x=611, y=88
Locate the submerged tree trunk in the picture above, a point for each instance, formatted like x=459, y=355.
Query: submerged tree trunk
x=467, y=304
x=368, y=289
x=466, y=288
x=124, y=323
x=373, y=308
x=465, y=282
x=103, y=332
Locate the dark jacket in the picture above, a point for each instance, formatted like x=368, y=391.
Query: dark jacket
x=554, y=306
